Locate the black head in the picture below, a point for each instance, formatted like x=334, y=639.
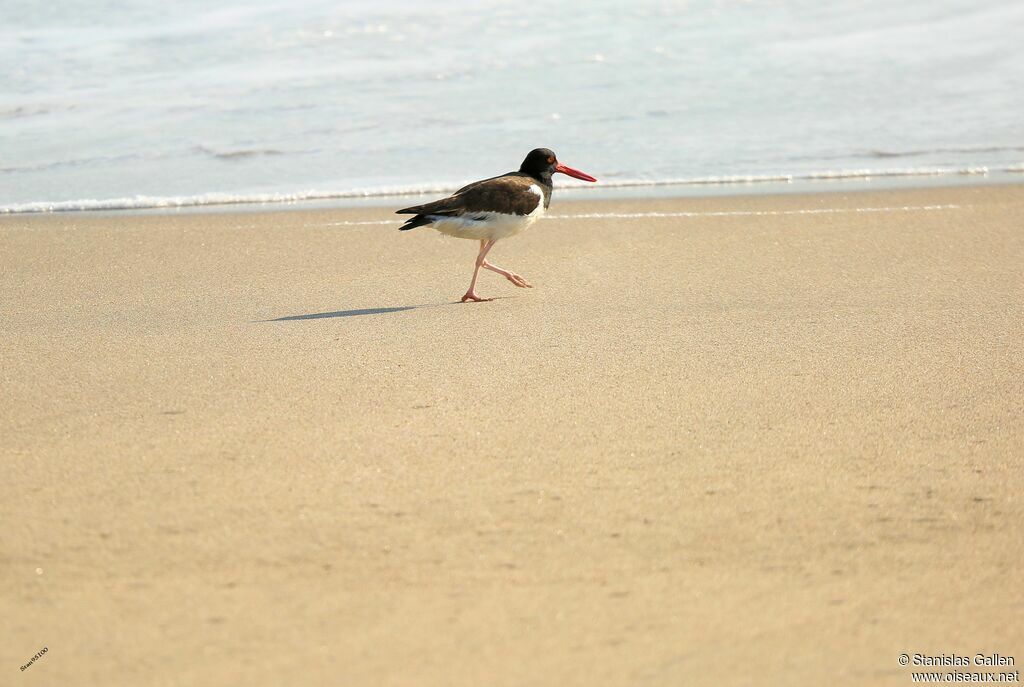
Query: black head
x=541, y=163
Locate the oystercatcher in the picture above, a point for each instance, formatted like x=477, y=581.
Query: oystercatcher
x=493, y=209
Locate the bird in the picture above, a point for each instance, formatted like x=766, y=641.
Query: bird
x=494, y=209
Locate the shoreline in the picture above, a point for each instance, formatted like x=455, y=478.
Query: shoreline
x=724, y=440
x=769, y=185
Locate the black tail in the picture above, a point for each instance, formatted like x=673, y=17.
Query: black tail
x=417, y=221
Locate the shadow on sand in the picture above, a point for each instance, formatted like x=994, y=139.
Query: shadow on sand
x=343, y=313
x=367, y=311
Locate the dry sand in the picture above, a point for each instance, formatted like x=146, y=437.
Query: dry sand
x=268, y=449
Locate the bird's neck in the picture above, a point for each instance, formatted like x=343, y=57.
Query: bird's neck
x=546, y=187
x=543, y=177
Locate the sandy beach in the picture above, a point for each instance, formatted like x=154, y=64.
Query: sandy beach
x=723, y=441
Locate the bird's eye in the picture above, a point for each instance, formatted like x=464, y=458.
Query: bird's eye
x=551, y=160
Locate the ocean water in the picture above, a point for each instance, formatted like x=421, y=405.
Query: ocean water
x=108, y=104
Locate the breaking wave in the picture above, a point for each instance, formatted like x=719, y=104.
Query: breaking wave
x=215, y=199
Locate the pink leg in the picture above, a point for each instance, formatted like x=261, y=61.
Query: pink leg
x=511, y=276
x=485, y=246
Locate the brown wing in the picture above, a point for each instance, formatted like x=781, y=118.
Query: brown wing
x=509, y=194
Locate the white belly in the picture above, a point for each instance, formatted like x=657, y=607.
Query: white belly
x=489, y=226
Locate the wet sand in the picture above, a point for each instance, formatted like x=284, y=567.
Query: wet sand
x=775, y=440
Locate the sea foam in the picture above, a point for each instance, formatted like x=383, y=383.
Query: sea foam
x=440, y=188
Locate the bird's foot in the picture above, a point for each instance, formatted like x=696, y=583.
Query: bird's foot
x=518, y=281
x=511, y=276
x=471, y=296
